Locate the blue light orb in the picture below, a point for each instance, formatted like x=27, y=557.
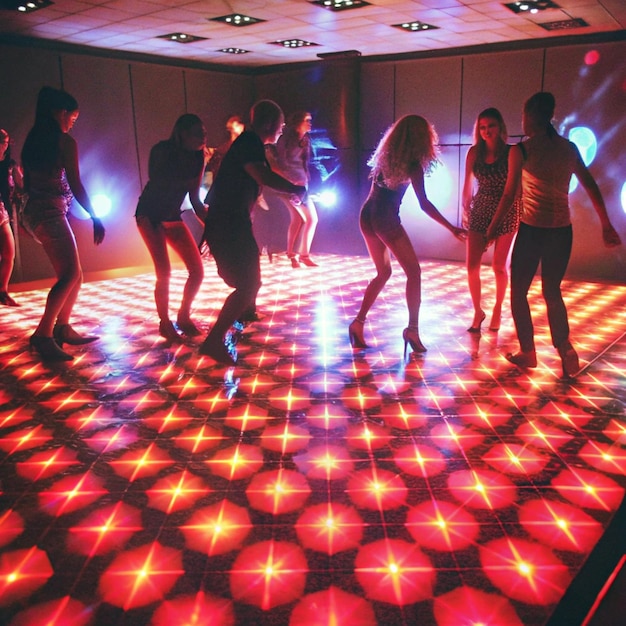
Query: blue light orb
x=326, y=198
x=623, y=197
x=101, y=205
x=586, y=142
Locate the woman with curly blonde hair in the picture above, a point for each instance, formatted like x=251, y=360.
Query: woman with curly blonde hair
x=406, y=152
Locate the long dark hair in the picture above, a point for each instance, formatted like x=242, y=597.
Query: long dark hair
x=41, y=148
x=481, y=147
x=540, y=107
x=184, y=123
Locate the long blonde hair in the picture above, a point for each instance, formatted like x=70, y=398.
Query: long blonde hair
x=410, y=142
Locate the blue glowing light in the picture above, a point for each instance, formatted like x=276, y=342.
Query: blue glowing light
x=586, y=142
x=623, y=197
x=327, y=198
x=101, y=205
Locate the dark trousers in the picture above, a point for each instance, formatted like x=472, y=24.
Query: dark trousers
x=552, y=248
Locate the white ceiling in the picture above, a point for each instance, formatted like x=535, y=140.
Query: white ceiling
x=132, y=26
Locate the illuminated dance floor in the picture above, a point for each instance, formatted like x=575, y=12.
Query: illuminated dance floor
x=309, y=485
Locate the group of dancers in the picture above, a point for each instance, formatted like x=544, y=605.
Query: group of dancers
x=511, y=193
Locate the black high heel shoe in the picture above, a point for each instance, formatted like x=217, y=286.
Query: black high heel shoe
x=411, y=338
x=48, y=349
x=476, y=329
x=569, y=360
x=355, y=332
x=308, y=261
x=64, y=333
x=167, y=331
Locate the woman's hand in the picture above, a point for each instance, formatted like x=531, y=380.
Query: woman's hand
x=459, y=233
x=98, y=230
x=610, y=237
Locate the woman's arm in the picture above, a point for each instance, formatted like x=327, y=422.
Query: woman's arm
x=468, y=185
x=199, y=207
x=263, y=175
x=69, y=156
x=511, y=191
x=609, y=234
x=417, y=180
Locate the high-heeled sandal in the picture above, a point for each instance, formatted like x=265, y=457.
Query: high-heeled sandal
x=294, y=261
x=308, y=261
x=523, y=360
x=48, y=349
x=169, y=332
x=218, y=351
x=187, y=327
x=494, y=324
x=355, y=332
x=411, y=338
x=64, y=333
x=476, y=329
x=7, y=300
x=569, y=360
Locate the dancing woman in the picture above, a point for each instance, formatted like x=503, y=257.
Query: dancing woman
x=486, y=170
x=544, y=163
x=407, y=151
x=175, y=169
x=51, y=172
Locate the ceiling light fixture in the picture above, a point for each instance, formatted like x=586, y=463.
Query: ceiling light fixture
x=340, y=5
x=531, y=6
x=576, y=22
x=293, y=43
x=236, y=19
x=415, y=26
x=25, y=7
x=181, y=37
x=234, y=50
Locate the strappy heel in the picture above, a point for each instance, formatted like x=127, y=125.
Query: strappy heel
x=411, y=338
x=64, y=333
x=294, y=261
x=476, y=329
x=355, y=332
x=308, y=261
x=187, y=327
x=218, y=351
x=569, y=360
x=48, y=349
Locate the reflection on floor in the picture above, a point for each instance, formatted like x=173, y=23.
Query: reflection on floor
x=309, y=485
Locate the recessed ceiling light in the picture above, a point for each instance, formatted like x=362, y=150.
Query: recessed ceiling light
x=415, y=26
x=25, y=6
x=576, y=22
x=531, y=6
x=234, y=50
x=236, y=19
x=340, y=5
x=181, y=37
x=293, y=43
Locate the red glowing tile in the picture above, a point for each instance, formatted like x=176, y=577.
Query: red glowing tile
x=330, y=528
x=468, y=606
x=604, y=457
x=246, y=417
x=390, y=385
x=394, y=571
x=327, y=384
x=21, y=573
x=198, y=440
x=377, y=489
x=64, y=611
x=367, y=436
x=561, y=526
x=15, y=417
x=525, y=571
x=278, y=491
x=616, y=432
x=482, y=489
x=201, y=609
x=168, y=419
x=404, y=415
x=112, y=439
x=47, y=463
x=268, y=574
x=236, y=462
x=333, y=606
x=285, y=438
x=361, y=398
x=88, y=420
x=434, y=397
x=560, y=413
x=69, y=401
x=589, y=489
x=450, y=436
x=217, y=529
x=256, y=384
x=290, y=369
x=419, y=460
x=325, y=462
x=144, y=400
x=25, y=439
x=176, y=492
x=141, y=576
x=483, y=415
x=511, y=458
x=213, y=402
x=105, y=530
x=290, y=399
x=71, y=494
x=142, y=462
x=441, y=525
x=11, y=526
x=328, y=416
x=542, y=435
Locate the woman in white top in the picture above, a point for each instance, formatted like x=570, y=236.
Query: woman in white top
x=544, y=163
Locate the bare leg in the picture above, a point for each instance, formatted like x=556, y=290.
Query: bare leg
x=60, y=245
x=475, y=249
x=500, y=255
x=307, y=210
x=7, y=255
x=179, y=237
x=382, y=260
x=296, y=221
